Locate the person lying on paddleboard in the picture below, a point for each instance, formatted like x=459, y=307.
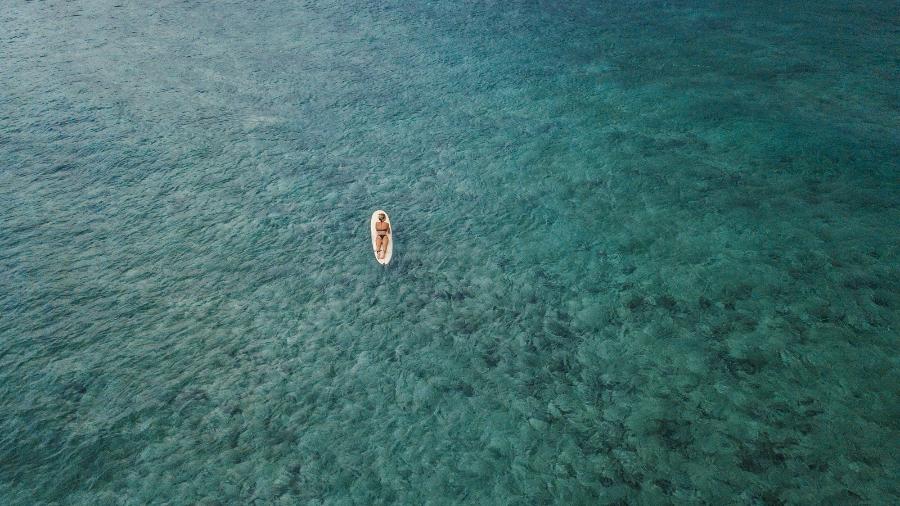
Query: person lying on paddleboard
x=383, y=229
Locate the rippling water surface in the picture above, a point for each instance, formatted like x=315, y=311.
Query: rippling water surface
x=646, y=252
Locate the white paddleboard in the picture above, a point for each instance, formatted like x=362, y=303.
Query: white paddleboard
x=390, y=248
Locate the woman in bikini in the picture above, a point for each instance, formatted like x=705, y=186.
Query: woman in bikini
x=383, y=229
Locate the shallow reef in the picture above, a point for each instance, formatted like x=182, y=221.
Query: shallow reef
x=646, y=253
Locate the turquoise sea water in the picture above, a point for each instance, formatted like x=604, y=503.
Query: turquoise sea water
x=646, y=252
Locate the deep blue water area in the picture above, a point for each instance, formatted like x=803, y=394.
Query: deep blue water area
x=646, y=252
